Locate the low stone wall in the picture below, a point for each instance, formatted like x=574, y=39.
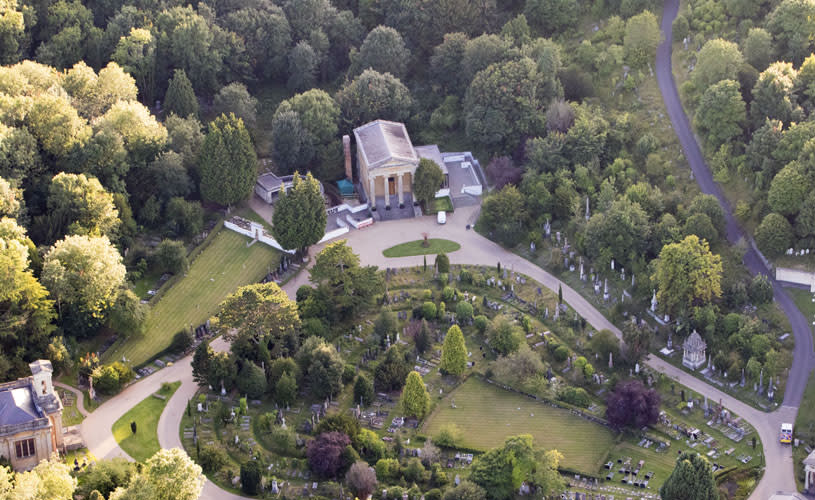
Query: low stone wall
x=796, y=276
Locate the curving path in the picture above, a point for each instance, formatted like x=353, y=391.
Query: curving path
x=803, y=358
x=475, y=249
x=78, y=396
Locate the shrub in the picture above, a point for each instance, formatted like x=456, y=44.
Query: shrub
x=429, y=310
x=448, y=436
x=479, y=280
x=464, y=311
x=575, y=396
x=250, y=477
x=363, y=390
x=387, y=469
x=466, y=276
x=448, y=293
x=181, y=341
x=212, y=458
x=761, y=291
x=561, y=353
x=442, y=263
x=171, y=257
x=481, y=323
x=348, y=374
x=427, y=294
x=109, y=379
x=414, y=471
x=251, y=380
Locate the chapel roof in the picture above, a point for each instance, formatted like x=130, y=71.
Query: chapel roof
x=381, y=141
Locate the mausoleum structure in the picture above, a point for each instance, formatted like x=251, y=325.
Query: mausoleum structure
x=693, y=355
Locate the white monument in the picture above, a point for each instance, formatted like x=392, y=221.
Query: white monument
x=693, y=348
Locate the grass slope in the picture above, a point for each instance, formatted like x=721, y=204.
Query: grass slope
x=437, y=245
x=144, y=443
x=488, y=415
x=219, y=270
x=804, y=429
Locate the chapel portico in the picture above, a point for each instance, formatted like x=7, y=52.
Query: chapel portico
x=387, y=161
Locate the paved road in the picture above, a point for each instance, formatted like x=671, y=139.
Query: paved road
x=476, y=249
x=803, y=358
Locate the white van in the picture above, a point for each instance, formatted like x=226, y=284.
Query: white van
x=441, y=217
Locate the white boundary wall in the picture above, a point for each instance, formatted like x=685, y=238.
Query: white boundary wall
x=796, y=276
x=257, y=232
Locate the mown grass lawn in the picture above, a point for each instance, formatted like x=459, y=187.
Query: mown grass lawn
x=144, y=443
x=217, y=271
x=488, y=415
x=436, y=245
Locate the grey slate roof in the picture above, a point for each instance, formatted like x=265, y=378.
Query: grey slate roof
x=432, y=152
x=41, y=365
x=17, y=406
x=270, y=182
x=381, y=141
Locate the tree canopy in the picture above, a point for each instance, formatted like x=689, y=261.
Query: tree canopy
x=263, y=313
x=687, y=273
x=299, y=218
x=228, y=163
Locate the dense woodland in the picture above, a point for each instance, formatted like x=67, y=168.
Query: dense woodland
x=752, y=91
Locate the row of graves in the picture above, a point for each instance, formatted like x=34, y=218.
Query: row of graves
x=590, y=488
x=631, y=473
x=285, y=270
x=717, y=418
x=200, y=333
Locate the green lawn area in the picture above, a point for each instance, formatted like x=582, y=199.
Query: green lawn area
x=217, y=271
x=487, y=415
x=803, y=299
x=441, y=204
x=437, y=245
x=804, y=428
x=144, y=443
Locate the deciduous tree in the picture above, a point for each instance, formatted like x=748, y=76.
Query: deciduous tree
x=325, y=453
x=372, y=96
x=721, y=113
x=633, y=405
x=85, y=272
x=687, y=273
x=774, y=235
x=505, y=102
x=263, y=313
x=383, y=51
x=718, y=60
x=642, y=36
x=361, y=478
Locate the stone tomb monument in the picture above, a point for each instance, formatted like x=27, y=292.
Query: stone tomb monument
x=693, y=348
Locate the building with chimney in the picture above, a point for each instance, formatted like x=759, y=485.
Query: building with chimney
x=30, y=418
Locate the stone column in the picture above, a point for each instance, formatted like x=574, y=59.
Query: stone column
x=386, y=189
x=372, y=191
x=399, y=191
x=806, y=478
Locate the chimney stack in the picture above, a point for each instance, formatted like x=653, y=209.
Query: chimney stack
x=346, y=146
